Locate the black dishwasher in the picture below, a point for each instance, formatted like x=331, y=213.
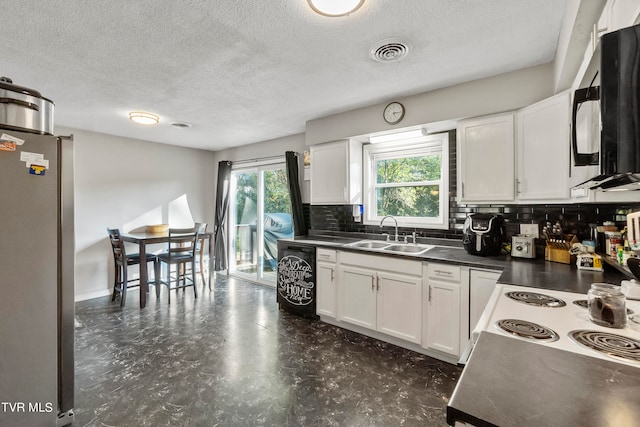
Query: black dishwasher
x=296, y=284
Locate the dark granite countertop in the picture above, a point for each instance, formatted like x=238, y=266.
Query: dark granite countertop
x=552, y=387
x=535, y=273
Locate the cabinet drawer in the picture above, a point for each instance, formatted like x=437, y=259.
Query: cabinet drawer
x=326, y=255
x=446, y=272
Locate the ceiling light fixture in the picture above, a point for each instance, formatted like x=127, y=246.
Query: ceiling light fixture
x=415, y=133
x=335, y=8
x=144, y=118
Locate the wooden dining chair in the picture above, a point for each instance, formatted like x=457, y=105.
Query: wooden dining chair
x=122, y=261
x=202, y=228
x=181, y=253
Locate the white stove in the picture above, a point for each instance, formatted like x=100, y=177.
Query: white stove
x=554, y=323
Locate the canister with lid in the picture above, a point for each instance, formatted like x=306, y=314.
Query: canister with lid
x=607, y=305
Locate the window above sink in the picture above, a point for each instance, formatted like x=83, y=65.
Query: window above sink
x=409, y=181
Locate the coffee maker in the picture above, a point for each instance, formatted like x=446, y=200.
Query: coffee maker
x=484, y=234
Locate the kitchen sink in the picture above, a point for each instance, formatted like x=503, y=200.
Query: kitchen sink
x=378, y=245
x=408, y=249
x=369, y=244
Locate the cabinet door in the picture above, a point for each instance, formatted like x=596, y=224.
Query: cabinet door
x=399, y=306
x=326, y=291
x=543, y=150
x=329, y=173
x=481, y=286
x=486, y=159
x=336, y=173
x=357, y=296
x=443, y=317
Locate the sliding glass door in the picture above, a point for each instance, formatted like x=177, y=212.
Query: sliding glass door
x=260, y=213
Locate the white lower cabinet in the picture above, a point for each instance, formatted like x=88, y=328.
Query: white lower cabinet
x=357, y=296
x=442, y=308
x=399, y=306
x=481, y=286
x=417, y=305
x=379, y=299
x=326, y=282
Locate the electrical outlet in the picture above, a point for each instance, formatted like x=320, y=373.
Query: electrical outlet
x=530, y=229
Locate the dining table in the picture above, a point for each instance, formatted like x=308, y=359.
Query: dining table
x=143, y=239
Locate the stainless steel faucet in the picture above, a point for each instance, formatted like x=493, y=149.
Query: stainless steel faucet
x=395, y=220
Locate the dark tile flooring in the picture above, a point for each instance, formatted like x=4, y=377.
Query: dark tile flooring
x=231, y=358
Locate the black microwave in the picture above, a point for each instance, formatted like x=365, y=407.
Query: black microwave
x=616, y=100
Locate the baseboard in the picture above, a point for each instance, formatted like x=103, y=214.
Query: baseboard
x=92, y=295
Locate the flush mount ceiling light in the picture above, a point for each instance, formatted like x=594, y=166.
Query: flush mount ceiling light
x=376, y=139
x=144, y=118
x=335, y=7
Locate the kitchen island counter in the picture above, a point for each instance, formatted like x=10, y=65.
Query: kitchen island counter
x=511, y=382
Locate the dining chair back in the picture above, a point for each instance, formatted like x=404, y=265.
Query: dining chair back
x=121, y=262
x=181, y=251
x=202, y=228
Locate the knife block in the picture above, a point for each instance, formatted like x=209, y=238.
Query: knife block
x=561, y=255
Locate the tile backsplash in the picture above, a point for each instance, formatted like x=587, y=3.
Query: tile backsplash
x=574, y=218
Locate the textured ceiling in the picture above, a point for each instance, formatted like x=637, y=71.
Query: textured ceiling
x=253, y=70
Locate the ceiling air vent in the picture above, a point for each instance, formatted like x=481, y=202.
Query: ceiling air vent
x=389, y=50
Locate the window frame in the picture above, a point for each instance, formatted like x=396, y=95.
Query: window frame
x=401, y=149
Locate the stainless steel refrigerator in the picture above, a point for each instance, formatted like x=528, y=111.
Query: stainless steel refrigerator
x=36, y=279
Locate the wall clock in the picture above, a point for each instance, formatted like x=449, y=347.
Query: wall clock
x=393, y=113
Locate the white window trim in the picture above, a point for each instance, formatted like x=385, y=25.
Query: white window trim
x=407, y=147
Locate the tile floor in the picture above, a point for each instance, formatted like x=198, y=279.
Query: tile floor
x=231, y=358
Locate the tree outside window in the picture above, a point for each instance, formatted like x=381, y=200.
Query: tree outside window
x=408, y=181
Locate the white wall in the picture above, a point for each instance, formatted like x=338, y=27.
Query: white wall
x=508, y=91
x=128, y=183
x=274, y=147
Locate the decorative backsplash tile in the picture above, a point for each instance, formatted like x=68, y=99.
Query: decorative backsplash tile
x=574, y=218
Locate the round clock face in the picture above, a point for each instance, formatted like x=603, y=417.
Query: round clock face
x=393, y=113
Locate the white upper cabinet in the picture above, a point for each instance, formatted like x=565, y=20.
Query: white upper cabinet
x=336, y=173
x=543, y=150
x=485, y=148
x=521, y=157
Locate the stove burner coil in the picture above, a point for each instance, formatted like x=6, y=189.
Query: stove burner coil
x=614, y=345
x=535, y=299
x=527, y=330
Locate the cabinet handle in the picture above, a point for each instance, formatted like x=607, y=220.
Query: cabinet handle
x=378, y=283
x=373, y=286
x=518, y=186
x=448, y=273
x=463, y=189
x=332, y=274
x=429, y=293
